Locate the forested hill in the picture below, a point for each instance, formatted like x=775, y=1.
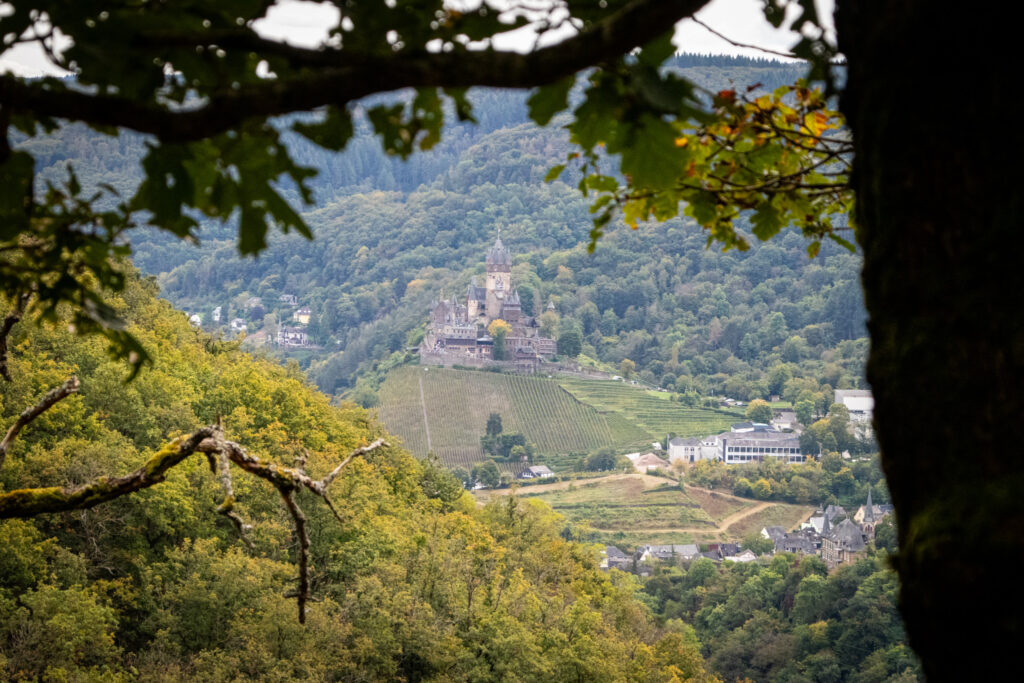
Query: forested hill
x=391, y=236
x=411, y=580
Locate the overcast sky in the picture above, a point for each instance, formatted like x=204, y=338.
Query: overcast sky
x=305, y=23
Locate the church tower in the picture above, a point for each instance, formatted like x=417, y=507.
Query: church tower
x=499, y=278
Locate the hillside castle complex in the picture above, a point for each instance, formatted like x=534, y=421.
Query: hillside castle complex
x=459, y=330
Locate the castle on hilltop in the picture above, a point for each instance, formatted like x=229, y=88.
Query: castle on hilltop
x=458, y=330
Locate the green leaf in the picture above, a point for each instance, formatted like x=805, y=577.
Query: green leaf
x=766, y=221
x=332, y=133
x=657, y=51
x=548, y=100
x=554, y=173
x=649, y=155
x=15, y=193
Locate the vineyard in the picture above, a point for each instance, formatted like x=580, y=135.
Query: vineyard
x=446, y=410
x=654, y=414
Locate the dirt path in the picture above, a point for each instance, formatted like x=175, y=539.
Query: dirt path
x=426, y=422
x=649, y=483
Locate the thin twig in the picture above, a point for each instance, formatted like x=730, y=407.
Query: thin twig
x=734, y=43
x=302, y=592
x=322, y=485
x=227, y=507
x=45, y=403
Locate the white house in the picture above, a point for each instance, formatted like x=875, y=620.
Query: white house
x=238, y=325
x=859, y=402
x=692, y=449
x=536, y=472
x=744, y=447
x=216, y=314
x=746, y=556
x=195, y=320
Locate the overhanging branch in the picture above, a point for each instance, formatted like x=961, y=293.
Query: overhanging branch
x=340, y=78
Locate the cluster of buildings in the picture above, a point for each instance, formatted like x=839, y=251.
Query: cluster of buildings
x=458, y=330
x=745, y=442
x=830, y=534
x=641, y=562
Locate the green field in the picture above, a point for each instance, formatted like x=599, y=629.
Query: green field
x=634, y=509
x=446, y=410
x=648, y=410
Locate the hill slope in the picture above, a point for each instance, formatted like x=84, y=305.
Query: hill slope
x=445, y=411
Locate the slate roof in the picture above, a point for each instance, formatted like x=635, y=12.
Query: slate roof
x=498, y=254
x=848, y=536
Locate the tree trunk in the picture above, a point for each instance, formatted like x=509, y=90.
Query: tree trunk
x=931, y=98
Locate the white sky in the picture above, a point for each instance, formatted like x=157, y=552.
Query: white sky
x=305, y=23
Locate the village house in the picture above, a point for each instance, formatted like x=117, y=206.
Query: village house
x=691, y=450
x=291, y=336
x=536, y=472
x=302, y=315
x=238, y=325
x=289, y=299
x=859, y=402
x=668, y=553
x=616, y=559
x=216, y=315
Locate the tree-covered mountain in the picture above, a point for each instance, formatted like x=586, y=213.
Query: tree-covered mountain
x=412, y=580
x=391, y=236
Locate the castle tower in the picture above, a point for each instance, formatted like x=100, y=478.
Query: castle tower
x=499, y=278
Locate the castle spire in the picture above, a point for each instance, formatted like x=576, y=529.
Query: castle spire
x=869, y=509
x=824, y=526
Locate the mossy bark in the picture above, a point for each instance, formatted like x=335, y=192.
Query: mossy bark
x=931, y=98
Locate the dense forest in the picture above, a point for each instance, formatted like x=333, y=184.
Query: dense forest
x=791, y=620
x=393, y=236
x=412, y=580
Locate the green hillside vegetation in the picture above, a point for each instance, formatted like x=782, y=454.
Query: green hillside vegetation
x=635, y=509
x=562, y=418
x=392, y=236
x=792, y=620
x=412, y=580
x=457, y=403
x=654, y=412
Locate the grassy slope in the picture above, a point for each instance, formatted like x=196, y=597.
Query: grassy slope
x=650, y=411
x=560, y=416
x=633, y=509
x=457, y=402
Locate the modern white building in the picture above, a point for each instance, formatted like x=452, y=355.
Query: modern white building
x=859, y=402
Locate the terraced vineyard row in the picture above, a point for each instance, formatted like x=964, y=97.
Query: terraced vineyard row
x=652, y=414
x=446, y=411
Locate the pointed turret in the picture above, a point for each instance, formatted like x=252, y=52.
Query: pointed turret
x=825, y=530
x=498, y=255
x=869, y=509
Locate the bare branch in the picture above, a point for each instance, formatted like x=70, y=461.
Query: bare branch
x=342, y=78
x=320, y=487
x=302, y=593
x=31, y=502
x=227, y=507
x=220, y=453
x=45, y=403
x=787, y=55
x=11, y=320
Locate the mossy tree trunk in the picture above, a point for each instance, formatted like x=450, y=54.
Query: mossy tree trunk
x=932, y=100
